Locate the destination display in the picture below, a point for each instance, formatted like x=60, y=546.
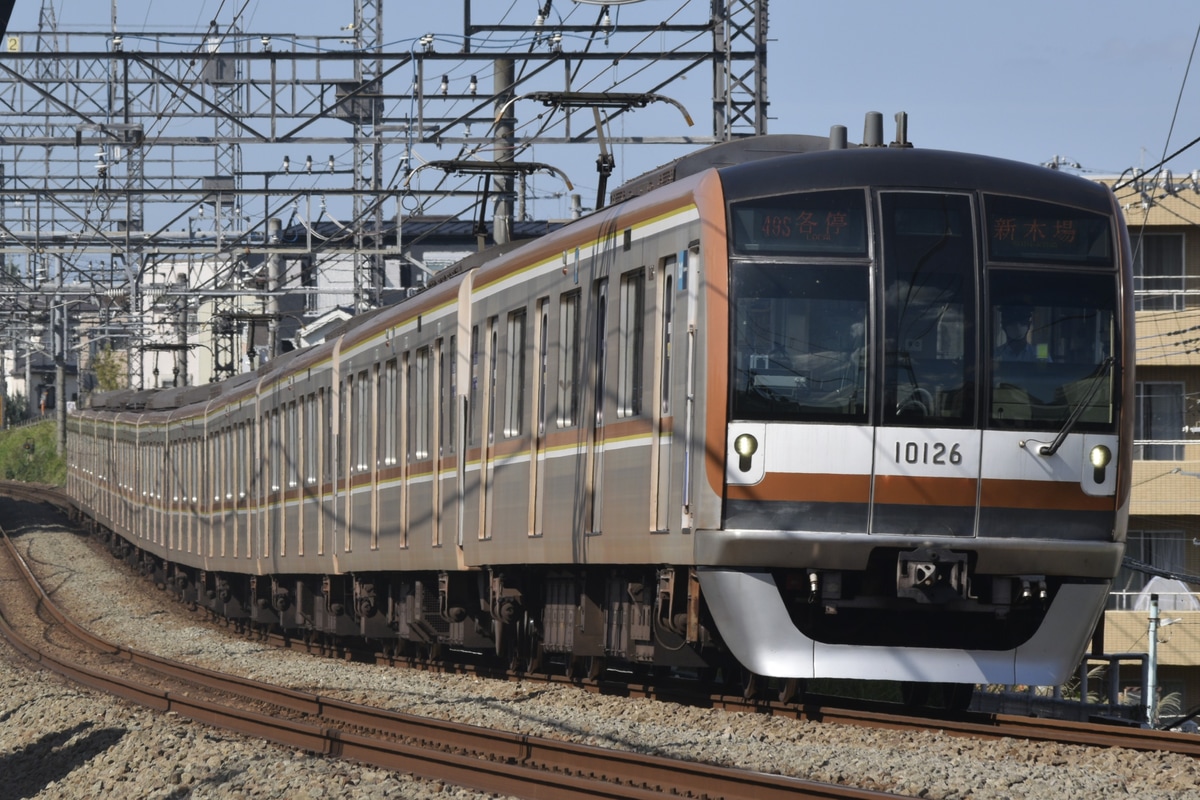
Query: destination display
x=1028, y=231
x=810, y=223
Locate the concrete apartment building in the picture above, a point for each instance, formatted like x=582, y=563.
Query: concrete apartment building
x=1163, y=215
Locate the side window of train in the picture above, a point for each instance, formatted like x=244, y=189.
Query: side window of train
x=493, y=335
x=276, y=451
x=311, y=443
x=339, y=442
x=514, y=375
x=543, y=361
x=449, y=405
x=324, y=410
x=667, y=270
x=441, y=381
x=630, y=343
x=568, y=361
x=473, y=390
x=419, y=432
x=362, y=422
x=293, y=446
x=390, y=410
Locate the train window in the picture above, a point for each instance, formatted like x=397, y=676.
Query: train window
x=292, y=448
x=473, y=389
x=340, y=459
x=829, y=223
x=798, y=334
x=1034, y=232
x=243, y=460
x=1053, y=337
x=568, y=364
x=362, y=420
x=353, y=390
x=440, y=390
x=420, y=405
x=324, y=411
x=514, y=378
x=451, y=408
x=307, y=412
x=275, y=442
x=543, y=366
x=668, y=320
x=631, y=339
x=929, y=267
x=493, y=369
x=390, y=386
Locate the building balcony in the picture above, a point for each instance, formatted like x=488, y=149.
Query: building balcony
x=1178, y=642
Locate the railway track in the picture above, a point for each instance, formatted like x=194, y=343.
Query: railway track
x=827, y=710
x=476, y=758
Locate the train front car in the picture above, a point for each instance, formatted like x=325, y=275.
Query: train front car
x=926, y=445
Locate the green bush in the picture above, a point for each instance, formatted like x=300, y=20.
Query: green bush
x=30, y=454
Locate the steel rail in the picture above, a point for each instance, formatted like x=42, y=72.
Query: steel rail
x=840, y=711
x=477, y=758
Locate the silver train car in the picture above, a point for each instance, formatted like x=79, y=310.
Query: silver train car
x=857, y=413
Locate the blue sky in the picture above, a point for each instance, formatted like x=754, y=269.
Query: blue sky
x=1090, y=81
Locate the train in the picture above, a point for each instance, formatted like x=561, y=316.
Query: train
x=786, y=408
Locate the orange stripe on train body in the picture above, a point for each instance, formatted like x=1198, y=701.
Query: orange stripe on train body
x=909, y=490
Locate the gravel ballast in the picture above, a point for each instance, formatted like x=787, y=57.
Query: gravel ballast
x=60, y=741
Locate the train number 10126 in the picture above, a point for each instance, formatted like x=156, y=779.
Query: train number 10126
x=938, y=453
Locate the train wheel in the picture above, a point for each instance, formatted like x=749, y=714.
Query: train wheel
x=748, y=682
x=529, y=645
x=790, y=689
x=534, y=658
x=586, y=668
x=429, y=651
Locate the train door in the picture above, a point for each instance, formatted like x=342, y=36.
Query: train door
x=662, y=429
x=488, y=420
x=596, y=465
x=537, y=482
x=927, y=447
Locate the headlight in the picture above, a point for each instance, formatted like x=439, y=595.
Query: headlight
x=745, y=445
x=1101, y=456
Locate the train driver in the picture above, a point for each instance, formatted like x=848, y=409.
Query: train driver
x=1016, y=322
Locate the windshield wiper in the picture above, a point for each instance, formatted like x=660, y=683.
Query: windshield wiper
x=1077, y=412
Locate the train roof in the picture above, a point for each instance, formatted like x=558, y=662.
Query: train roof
x=724, y=154
x=935, y=169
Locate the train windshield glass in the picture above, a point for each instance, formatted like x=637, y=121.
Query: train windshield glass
x=802, y=224
x=798, y=342
x=929, y=294
x=1052, y=338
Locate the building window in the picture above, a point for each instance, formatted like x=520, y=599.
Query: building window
x=1158, y=424
x=1159, y=550
x=1158, y=280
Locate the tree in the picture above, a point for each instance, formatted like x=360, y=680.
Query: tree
x=109, y=368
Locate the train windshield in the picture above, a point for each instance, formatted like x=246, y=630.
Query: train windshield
x=1053, y=341
x=929, y=295
x=799, y=333
x=1024, y=342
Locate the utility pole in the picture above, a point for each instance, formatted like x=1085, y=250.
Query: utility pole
x=1150, y=700
x=105, y=172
